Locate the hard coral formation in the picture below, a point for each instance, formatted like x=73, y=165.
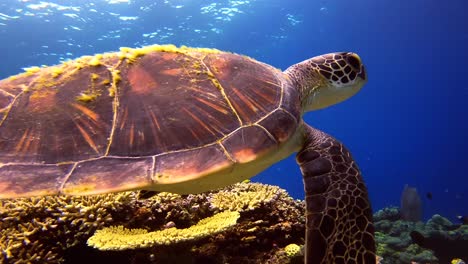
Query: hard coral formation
x=387, y=213
x=38, y=230
x=443, y=238
x=269, y=229
x=55, y=229
x=120, y=238
x=292, y=250
x=241, y=197
x=401, y=241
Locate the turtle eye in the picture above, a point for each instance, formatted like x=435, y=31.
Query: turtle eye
x=354, y=61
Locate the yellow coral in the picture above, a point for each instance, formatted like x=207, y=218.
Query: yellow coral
x=245, y=196
x=292, y=250
x=120, y=238
x=36, y=229
x=164, y=197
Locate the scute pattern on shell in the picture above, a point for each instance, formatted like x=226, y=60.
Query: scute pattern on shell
x=133, y=117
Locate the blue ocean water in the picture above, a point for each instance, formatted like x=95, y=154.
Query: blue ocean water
x=408, y=125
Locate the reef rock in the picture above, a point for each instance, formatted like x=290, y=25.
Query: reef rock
x=403, y=242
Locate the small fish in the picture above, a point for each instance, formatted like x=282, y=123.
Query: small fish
x=463, y=219
x=429, y=195
x=457, y=261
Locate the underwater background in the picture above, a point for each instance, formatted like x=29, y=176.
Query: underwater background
x=408, y=125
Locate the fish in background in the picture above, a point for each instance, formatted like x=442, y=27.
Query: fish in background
x=429, y=195
x=411, y=205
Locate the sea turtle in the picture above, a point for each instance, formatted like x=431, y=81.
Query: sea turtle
x=186, y=120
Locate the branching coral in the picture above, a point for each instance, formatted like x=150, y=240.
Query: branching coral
x=37, y=230
x=120, y=238
x=240, y=197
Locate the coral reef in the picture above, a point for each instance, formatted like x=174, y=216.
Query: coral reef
x=55, y=229
x=120, y=238
x=396, y=239
x=445, y=239
x=254, y=223
x=38, y=230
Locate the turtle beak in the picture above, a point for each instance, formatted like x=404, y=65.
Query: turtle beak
x=362, y=73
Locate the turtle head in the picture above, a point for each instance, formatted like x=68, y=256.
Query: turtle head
x=328, y=79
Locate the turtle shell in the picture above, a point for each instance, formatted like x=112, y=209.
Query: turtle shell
x=139, y=118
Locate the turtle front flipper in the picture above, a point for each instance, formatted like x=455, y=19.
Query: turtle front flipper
x=339, y=225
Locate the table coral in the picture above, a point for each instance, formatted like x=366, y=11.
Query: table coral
x=120, y=238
